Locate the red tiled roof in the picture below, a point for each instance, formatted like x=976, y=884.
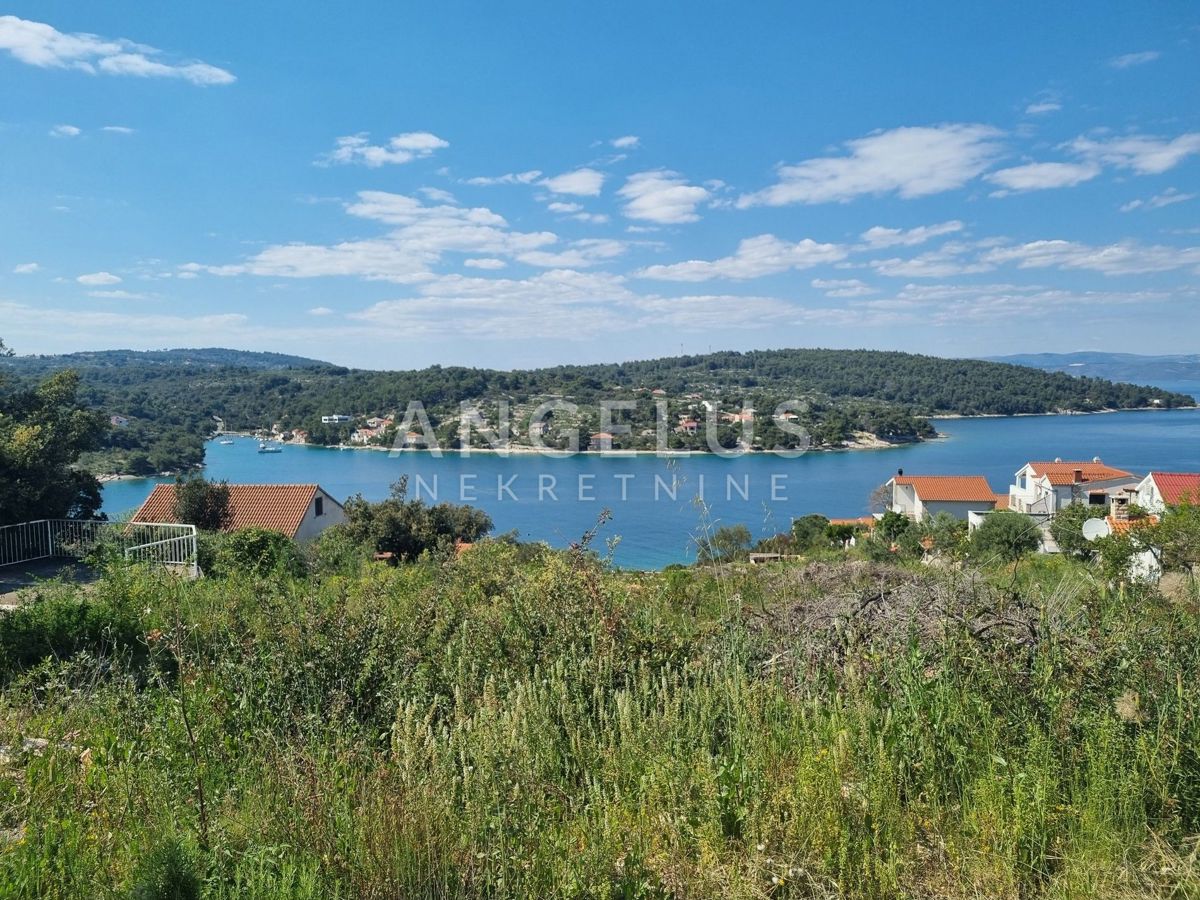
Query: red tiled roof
x=950, y=488
x=1122, y=526
x=1175, y=487
x=278, y=507
x=863, y=521
x=1060, y=473
x=1002, y=501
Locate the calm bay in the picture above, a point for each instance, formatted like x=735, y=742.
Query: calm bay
x=558, y=499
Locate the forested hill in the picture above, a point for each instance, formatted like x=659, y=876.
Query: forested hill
x=168, y=400
x=207, y=358
x=926, y=384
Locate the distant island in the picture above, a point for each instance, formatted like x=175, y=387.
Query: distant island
x=164, y=404
x=1167, y=369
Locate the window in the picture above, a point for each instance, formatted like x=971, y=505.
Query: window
x=320, y=510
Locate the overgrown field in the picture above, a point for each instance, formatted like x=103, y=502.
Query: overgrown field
x=520, y=723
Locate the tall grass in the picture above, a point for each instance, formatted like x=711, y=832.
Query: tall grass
x=498, y=726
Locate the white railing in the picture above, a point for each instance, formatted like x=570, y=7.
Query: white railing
x=153, y=542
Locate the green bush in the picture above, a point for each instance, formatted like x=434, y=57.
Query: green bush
x=168, y=872
x=259, y=552
x=1006, y=535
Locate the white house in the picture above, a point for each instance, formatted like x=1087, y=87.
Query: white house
x=1158, y=490
x=922, y=496
x=301, y=511
x=336, y=419
x=1043, y=488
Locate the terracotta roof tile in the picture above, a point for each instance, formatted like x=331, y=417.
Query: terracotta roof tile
x=1060, y=473
x=1175, y=487
x=278, y=507
x=1002, y=501
x=950, y=488
x=1123, y=526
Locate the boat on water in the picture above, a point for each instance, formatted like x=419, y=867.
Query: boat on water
x=264, y=447
x=226, y=441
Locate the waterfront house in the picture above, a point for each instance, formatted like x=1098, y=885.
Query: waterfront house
x=1158, y=490
x=688, y=426
x=301, y=511
x=922, y=496
x=1043, y=488
x=601, y=441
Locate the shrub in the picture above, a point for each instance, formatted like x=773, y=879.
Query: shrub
x=259, y=552
x=1006, y=535
x=168, y=872
x=202, y=503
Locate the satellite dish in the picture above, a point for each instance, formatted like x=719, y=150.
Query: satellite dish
x=1095, y=528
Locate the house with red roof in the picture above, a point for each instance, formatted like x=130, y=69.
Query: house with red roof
x=921, y=496
x=301, y=511
x=1043, y=488
x=1158, y=490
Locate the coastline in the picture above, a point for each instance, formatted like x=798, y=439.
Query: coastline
x=525, y=450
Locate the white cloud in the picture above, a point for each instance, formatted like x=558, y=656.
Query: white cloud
x=558, y=303
x=421, y=235
x=1042, y=176
x=402, y=148
x=1122, y=258
x=843, y=287
x=1158, y=201
x=579, y=255
x=662, y=196
x=98, y=278
x=1144, y=154
x=952, y=258
x=437, y=195
x=118, y=129
x=42, y=45
x=754, y=258
x=911, y=162
x=320, y=311
x=582, y=182
x=118, y=295
x=957, y=305
x=510, y=178
x=576, y=211
x=1042, y=107
x=26, y=268
x=898, y=237
x=65, y=131
x=1127, y=60
x=74, y=328
x=628, y=142
x=485, y=262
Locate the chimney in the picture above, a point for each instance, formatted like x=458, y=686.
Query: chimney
x=1118, y=508
x=1079, y=476
x=899, y=472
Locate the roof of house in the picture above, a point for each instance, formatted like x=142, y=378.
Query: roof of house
x=950, y=488
x=1175, y=487
x=1002, y=501
x=1123, y=526
x=278, y=507
x=1059, y=472
x=864, y=521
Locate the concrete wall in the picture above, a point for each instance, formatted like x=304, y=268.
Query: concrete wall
x=312, y=525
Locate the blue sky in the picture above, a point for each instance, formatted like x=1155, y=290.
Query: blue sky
x=393, y=185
